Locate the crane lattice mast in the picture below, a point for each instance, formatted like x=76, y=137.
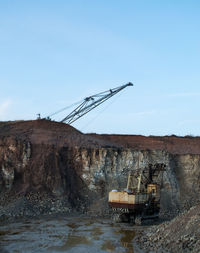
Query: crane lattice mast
x=88, y=104
x=91, y=102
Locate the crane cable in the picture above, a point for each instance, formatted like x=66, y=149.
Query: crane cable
x=98, y=114
x=102, y=98
x=63, y=109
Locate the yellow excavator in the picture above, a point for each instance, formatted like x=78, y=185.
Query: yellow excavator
x=141, y=198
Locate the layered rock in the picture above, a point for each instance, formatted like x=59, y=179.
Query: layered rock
x=44, y=157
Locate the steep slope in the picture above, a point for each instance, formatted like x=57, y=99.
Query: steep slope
x=44, y=160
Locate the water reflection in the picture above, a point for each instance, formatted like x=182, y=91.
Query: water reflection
x=127, y=239
x=72, y=241
x=66, y=235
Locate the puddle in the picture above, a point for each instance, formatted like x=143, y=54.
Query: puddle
x=127, y=239
x=73, y=225
x=72, y=241
x=96, y=232
x=88, y=224
x=73, y=235
x=108, y=246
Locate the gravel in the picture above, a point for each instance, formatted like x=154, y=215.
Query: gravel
x=182, y=234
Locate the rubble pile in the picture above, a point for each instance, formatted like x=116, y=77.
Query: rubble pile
x=182, y=234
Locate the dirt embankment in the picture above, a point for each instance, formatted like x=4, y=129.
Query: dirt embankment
x=48, y=133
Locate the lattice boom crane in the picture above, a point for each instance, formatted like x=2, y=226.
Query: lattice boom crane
x=89, y=103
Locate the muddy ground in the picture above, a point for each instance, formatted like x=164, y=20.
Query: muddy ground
x=72, y=233
x=67, y=234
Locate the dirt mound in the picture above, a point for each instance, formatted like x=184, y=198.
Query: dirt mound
x=172, y=144
x=182, y=234
x=49, y=132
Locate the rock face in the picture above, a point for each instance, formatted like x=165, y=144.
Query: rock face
x=44, y=157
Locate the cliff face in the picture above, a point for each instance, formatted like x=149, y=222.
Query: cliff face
x=104, y=169
x=55, y=159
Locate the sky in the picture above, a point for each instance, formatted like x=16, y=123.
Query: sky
x=55, y=53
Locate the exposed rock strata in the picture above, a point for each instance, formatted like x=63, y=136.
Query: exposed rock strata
x=49, y=158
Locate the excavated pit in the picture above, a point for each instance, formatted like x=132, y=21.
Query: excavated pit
x=49, y=167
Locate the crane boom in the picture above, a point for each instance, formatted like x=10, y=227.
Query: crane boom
x=91, y=102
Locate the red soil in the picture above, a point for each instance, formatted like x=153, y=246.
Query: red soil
x=172, y=144
x=60, y=134
x=48, y=132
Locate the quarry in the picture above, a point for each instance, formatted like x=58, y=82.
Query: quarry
x=113, y=172
x=50, y=168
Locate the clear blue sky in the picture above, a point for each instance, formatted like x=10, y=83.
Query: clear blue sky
x=54, y=53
